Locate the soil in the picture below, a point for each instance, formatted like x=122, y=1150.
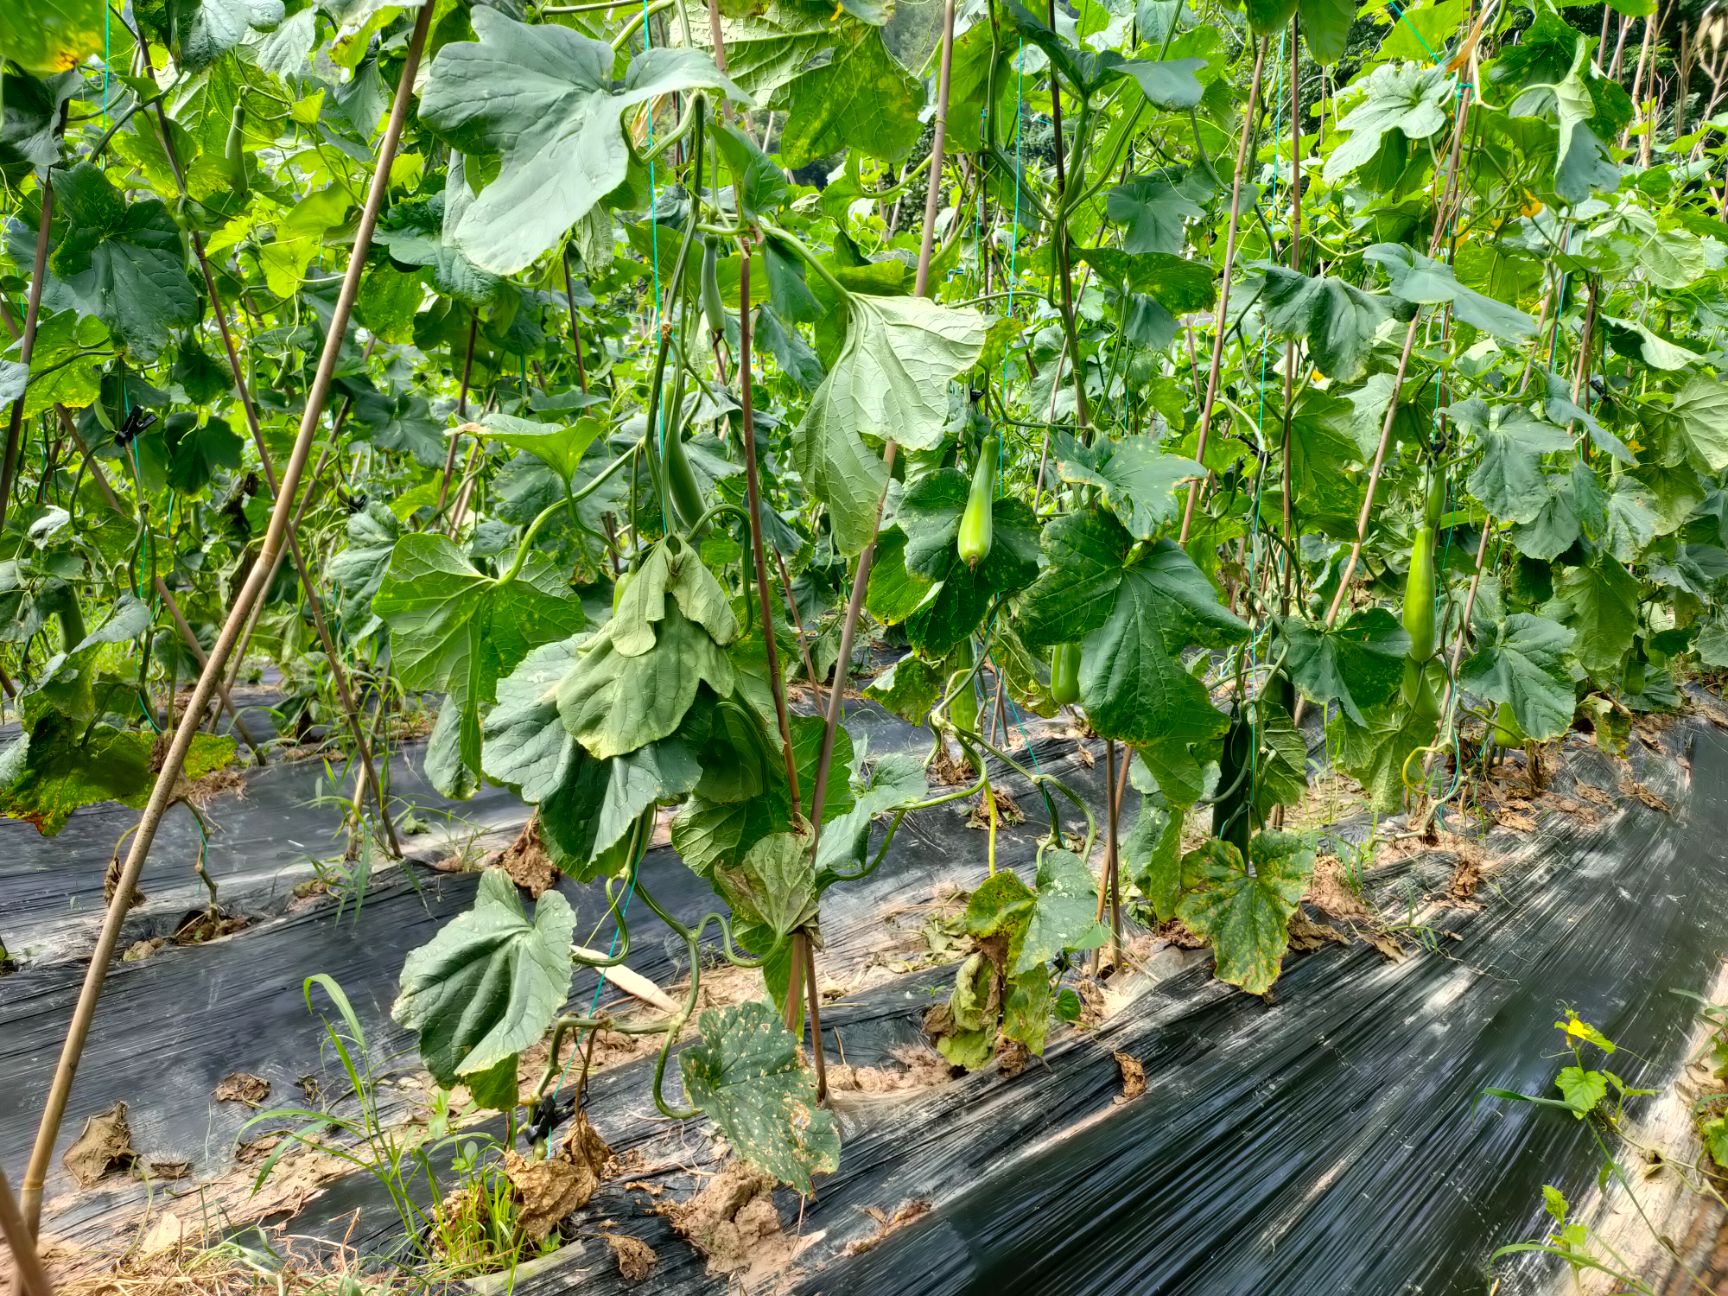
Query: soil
x=734, y=1223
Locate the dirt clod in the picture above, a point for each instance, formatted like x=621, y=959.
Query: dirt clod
x=635, y=1258
x=1133, y=1076
x=733, y=1222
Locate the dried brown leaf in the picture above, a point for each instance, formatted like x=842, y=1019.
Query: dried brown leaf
x=105, y=1144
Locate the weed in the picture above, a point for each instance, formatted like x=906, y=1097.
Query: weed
x=465, y=1229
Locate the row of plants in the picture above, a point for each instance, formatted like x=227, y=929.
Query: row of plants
x=607, y=374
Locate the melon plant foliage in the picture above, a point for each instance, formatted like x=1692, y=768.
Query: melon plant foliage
x=1436, y=369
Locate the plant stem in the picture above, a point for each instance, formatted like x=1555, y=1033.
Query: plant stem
x=575, y=327
x=462, y=410
x=814, y=997
x=26, y=346
x=167, y=779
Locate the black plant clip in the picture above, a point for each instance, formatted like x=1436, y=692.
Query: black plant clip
x=138, y=421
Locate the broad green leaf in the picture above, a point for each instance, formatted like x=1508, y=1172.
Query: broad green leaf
x=455, y=630
x=202, y=31
x=1399, y=97
x=1083, y=553
x=1637, y=342
x=48, y=36
x=924, y=583
x=1423, y=281
x=896, y=782
x=1603, y=597
x=560, y=446
x=1152, y=854
x=1027, y=1008
x=1326, y=27
x=358, y=569
x=1154, y=211
x=1555, y=76
x=1572, y=505
x=122, y=262
x=1508, y=481
x=1132, y=682
x=1698, y=414
x=299, y=236
x=30, y=125
x=1170, y=84
x=444, y=764
x=890, y=380
x=598, y=802
x=613, y=703
x=1358, y=663
x=861, y=98
x=1336, y=319
x=1137, y=480
x=419, y=233
x=1583, y=1091
x=1179, y=285
x=1246, y=917
x=1376, y=752
x=59, y=767
x=1062, y=913
x=1268, y=16
x=1526, y=665
x=746, y=1076
x=526, y=745
x=197, y=451
x=401, y=420
x=774, y=884
x=489, y=983
x=910, y=687
x=556, y=131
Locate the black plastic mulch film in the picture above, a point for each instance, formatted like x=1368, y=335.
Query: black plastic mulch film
x=1331, y=1141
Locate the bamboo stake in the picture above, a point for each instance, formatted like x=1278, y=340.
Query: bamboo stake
x=1221, y=318
x=861, y=579
x=860, y=582
x=798, y=625
x=31, y=1273
x=753, y=492
x=1287, y=581
x=1442, y=217
x=338, y=675
x=162, y=794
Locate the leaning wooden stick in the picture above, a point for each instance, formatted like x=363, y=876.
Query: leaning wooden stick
x=162, y=795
